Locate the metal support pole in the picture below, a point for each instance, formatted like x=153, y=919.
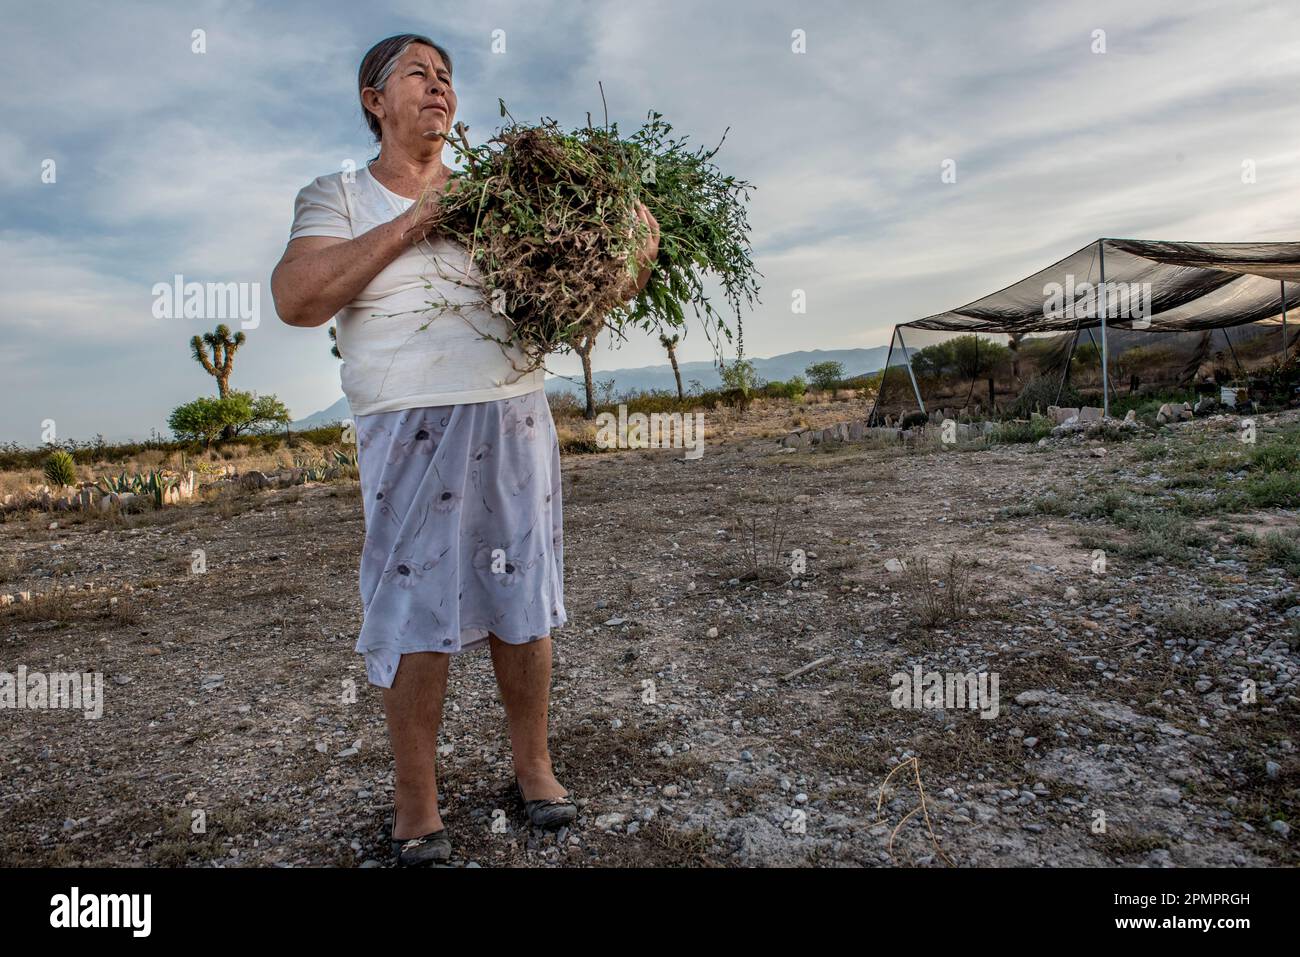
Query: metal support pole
x=871, y=419
x=1241, y=373
x=1284, y=322
x=1094, y=345
x=910, y=374
x=1069, y=357
x=1101, y=309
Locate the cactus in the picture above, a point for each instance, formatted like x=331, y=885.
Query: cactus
x=60, y=470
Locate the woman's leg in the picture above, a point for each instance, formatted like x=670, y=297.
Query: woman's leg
x=524, y=677
x=413, y=706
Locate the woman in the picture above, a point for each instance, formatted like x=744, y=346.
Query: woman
x=457, y=450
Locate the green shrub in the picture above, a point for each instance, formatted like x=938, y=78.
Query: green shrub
x=1016, y=432
x=793, y=389
x=1040, y=392
x=825, y=375
x=1280, y=549
x=60, y=470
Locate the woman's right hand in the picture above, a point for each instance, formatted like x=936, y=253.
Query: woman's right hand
x=425, y=214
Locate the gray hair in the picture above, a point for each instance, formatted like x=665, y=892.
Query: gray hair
x=379, y=63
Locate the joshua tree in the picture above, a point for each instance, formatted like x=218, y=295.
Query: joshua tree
x=670, y=343
x=223, y=354
x=223, y=347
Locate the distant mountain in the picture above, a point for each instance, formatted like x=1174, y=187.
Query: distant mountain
x=782, y=367
x=338, y=412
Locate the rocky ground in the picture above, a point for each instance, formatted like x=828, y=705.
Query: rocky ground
x=1135, y=597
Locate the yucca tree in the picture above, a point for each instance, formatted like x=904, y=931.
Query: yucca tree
x=222, y=360
x=670, y=343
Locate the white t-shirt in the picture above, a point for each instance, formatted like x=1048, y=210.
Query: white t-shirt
x=389, y=362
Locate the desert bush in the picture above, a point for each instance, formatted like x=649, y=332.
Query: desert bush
x=1166, y=535
x=760, y=532
x=793, y=389
x=60, y=470
x=564, y=404
x=825, y=376
x=1281, y=549
x=1198, y=622
x=1020, y=432
x=940, y=597
x=1040, y=392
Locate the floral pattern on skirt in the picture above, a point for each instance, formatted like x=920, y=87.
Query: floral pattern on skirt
x=464, y=528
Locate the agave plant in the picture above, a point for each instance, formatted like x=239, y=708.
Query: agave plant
x=60, y=470
x=342, y=458
x=119, y=485
x=156, y=484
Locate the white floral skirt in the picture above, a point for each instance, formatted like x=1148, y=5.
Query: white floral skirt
x=464, y=528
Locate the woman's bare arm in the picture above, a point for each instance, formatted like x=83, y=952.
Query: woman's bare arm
x=319, y=275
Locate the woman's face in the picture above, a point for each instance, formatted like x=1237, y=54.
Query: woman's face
x=417, y=100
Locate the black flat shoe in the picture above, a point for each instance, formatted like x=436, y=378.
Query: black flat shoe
x=432, y=848
x=550, y=814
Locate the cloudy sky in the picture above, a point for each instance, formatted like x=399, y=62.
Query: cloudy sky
x=167, y=161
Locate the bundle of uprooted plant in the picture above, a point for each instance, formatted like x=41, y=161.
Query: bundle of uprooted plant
x=550, y=221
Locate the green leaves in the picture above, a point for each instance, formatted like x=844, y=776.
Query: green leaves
x=548, y=223
x=60, y=470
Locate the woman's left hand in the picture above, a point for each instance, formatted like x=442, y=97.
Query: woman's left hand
x=647, y=254
x=650, y=249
